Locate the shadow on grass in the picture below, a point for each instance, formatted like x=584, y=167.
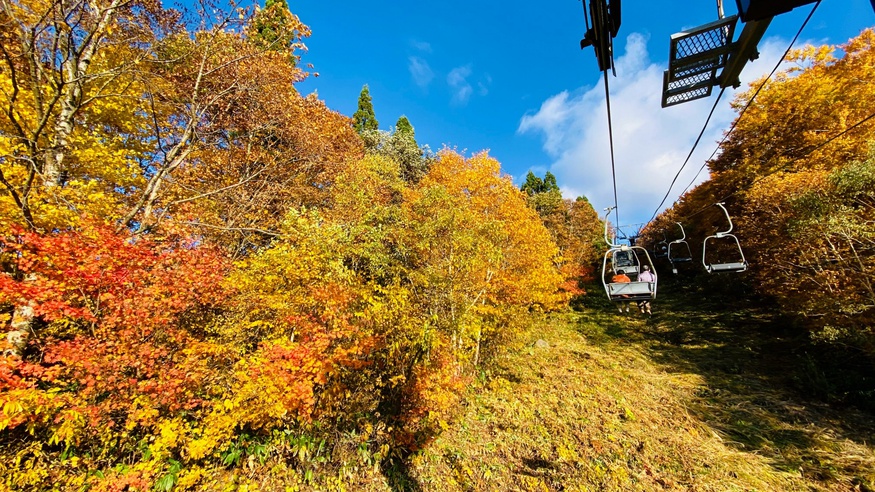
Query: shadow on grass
x=398, y=476
x=755, y=394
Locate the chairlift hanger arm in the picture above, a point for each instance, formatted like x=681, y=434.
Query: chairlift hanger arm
x=683, y=234
x=608, y=214
x=679, y=251
x=728, y=218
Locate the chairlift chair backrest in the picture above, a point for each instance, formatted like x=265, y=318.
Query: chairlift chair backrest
x=738, y=266
x=625, y=260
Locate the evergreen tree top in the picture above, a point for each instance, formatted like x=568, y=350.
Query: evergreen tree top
x=535, y=185
x=364, y=118
x=403, y=126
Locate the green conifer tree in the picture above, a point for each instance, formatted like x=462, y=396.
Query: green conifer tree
x=411, y=158
x=404, y=128
x=550, y=182
x=533, y=184
x=364, y=119
x=274, y=28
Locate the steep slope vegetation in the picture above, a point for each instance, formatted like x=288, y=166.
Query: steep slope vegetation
x=701, y=397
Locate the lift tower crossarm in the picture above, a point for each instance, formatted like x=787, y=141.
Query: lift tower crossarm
x=745, y=50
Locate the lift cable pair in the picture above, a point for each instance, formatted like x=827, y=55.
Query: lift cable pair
x=678, y=251
x=742, y=264
x=695, y=144
x=624, y=259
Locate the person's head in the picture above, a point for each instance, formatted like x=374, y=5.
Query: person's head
x=646, y=267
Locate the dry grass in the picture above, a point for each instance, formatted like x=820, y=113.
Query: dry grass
x=685, y=401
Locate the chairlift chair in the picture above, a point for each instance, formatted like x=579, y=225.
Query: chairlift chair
x=738, y=266
x=625, y=261
x=626, y=291
x=679, y=251
x=661, y=248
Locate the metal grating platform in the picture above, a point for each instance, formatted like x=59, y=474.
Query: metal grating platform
x=694, y=59
x=686, y=89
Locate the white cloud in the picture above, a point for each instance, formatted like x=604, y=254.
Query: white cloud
x=458, y=82
x=650, y=143
x=483, y=85
x=420, y=71
x=422, y=46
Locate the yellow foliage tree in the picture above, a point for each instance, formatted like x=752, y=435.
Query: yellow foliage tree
x=477, y=245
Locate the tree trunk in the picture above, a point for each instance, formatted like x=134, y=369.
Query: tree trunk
x=22, y=320
x=74, y=69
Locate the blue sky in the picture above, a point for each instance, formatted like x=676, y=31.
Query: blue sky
x=509, y=76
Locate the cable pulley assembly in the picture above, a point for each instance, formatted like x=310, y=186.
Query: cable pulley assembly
x=605, y=25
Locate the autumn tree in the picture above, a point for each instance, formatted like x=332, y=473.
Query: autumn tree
x=217, y=271
x=133, y=99
x=574, y=226
x=367, y=200
x=204, y=89
x=157, y=120
x=297, y=305
x=792, y=161
x=70, y=75
x=400, y=146
x=279, y=151
x=74, y=131
x=480, y=245
x=119, y=357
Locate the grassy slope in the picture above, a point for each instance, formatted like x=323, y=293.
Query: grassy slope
x=696, y=398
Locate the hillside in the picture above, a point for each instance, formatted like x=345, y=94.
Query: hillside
x=212, y=280
x=700, y=397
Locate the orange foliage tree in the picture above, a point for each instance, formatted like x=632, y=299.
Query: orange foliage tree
x=118, y=351
x=477, y=245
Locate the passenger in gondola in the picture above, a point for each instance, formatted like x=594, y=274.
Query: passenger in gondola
x=646, y=276
x=622, y=278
